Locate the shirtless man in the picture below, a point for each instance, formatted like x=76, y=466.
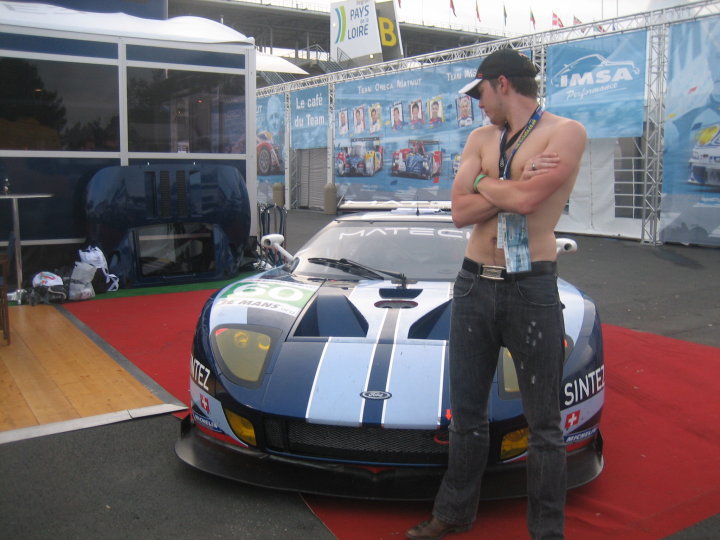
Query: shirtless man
x=508, y=297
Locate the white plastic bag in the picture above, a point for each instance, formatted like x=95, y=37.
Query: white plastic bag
x=81, y=281
x=93, y=255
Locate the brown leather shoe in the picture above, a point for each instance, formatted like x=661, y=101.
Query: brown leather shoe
x=434, y=530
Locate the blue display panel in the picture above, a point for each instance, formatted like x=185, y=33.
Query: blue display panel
x=51, y=45
x=59, y=217
x=185, y=56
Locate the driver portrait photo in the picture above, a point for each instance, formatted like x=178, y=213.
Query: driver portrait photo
x=397, y=116
x=435, y=111
x=359, y=116
x=375, y=121
x=342, y=121
x=465, y=112
x=416, y=115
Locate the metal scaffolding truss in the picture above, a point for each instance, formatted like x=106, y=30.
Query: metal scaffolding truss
x=653, y=144
x=533, y=42
x=657, y=23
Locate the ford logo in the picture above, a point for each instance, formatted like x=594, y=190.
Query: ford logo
x=375, y=394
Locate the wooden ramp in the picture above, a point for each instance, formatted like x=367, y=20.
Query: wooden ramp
x=53, y=374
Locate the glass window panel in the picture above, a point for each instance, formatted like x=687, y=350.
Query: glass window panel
x=171, y=249
x=47, y=105
x=184, y=111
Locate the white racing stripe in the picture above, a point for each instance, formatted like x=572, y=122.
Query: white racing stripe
x=344, y=368
x=416, y=378
x=416, y=385
x=340, y=378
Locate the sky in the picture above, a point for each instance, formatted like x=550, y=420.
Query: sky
x=438, y=12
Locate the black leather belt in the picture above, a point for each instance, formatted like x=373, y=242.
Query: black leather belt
x=498, y=273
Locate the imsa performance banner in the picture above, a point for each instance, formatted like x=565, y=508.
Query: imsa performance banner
x=690, y=210
x=401, y=136
x=600, y=82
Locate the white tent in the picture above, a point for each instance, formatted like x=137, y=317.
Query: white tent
x=186, y=29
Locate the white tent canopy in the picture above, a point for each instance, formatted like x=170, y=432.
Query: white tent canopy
x=184, y=29
x=268, y=62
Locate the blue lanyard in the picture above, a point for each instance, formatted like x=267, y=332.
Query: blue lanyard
x=520, y=136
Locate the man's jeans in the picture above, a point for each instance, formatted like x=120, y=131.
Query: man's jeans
x=526, y=317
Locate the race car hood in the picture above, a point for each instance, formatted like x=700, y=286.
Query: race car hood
x=351, y=353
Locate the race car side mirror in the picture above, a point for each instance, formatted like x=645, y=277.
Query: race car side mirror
x=565, y=245
x=274, y=241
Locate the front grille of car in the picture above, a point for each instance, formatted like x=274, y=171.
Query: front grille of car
x=366, y=444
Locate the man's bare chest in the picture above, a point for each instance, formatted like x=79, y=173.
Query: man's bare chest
x=515, y=158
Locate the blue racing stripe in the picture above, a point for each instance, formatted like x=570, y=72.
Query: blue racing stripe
x=378, y=379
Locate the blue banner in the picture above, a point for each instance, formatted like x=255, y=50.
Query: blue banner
x=691, y=158
x=270, y=125
x=600, y=82
x=400, y=136
x=308, y=118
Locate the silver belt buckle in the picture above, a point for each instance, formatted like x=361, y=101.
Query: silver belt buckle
x=492, y=272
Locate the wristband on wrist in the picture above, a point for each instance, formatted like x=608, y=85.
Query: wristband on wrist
x=477, y=181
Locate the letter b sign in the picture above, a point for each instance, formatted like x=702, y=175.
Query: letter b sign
x=388, y=35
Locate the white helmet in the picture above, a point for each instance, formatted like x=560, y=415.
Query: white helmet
x=46, y=279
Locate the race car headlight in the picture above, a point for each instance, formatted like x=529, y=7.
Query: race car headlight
x=707, y=135
x=508, y=376
x=242, y=427
x=509, y=386
x=514, y=444
x=243, y=352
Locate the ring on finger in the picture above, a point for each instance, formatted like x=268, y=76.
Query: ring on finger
x=532, y=166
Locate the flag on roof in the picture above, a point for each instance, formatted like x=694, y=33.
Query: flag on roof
x=532, y=18
x=452, y=6
x=556, y=21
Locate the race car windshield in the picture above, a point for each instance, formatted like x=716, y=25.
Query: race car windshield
x=419, y=250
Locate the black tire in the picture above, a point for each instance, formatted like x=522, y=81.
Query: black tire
x=264, y=161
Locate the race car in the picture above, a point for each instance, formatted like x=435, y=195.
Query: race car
x=329, y=374
x=423, y=159
x=456, y=159
x=269, y=155
x=364, y=157
x=705, y=159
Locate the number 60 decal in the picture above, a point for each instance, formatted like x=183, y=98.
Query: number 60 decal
x=276, y=291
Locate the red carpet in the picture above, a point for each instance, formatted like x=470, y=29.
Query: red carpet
x=153, y=332
x=662, y=435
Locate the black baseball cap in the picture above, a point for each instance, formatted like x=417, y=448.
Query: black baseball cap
x=508, y=62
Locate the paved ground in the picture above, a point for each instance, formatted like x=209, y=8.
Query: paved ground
x=124, y=481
